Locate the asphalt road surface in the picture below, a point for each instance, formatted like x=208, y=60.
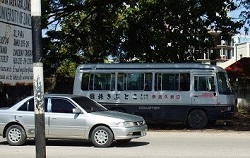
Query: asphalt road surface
x=157, y=144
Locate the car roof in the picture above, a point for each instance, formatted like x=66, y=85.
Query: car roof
x=59, y=95
x=46, y=96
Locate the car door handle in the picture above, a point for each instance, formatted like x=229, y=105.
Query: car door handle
x=19, y=116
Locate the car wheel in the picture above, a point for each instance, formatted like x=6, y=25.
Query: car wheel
x=16, y=135
x=197, y=119
x=102, y=136
x=123, y=141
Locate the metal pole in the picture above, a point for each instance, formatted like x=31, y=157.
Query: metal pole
x=38, y=81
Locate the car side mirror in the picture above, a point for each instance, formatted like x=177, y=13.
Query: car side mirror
x=76, y=111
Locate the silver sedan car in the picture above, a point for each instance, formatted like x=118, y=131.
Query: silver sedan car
x=70, y=117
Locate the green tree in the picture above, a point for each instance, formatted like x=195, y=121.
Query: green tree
x=244, y=5
x=150, y=30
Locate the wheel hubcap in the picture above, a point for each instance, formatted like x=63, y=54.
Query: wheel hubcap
x=14, y=135
x=101, y=137
x=197, y=118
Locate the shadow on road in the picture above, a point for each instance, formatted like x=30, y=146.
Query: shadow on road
x=79, y=143
x=240, y=122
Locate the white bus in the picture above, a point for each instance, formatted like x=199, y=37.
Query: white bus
x=196, y=94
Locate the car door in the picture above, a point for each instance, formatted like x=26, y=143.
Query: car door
x=63, y=123
x=26, y=116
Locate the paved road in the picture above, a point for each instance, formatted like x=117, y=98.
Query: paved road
x=166, y=144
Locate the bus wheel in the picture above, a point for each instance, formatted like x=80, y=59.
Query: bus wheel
x=197, y=119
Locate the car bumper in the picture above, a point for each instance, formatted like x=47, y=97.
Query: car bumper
x=129, y=132
x=1, y=128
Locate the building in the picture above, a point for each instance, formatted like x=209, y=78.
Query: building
x=238, y=68
x=228, y=52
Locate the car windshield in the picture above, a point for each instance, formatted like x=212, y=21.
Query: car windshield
x=89, y=105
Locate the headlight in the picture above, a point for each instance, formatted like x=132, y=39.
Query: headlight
x=124, y=124
x=129, y=124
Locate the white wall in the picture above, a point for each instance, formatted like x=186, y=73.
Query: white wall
x=242, y=50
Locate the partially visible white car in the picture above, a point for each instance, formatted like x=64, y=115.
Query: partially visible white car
x=70, y=117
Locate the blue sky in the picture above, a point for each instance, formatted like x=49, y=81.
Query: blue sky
x=235, y=14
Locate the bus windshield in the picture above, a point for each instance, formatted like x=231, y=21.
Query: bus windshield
x=223, y=84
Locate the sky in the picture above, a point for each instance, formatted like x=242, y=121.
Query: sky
x=235, y=14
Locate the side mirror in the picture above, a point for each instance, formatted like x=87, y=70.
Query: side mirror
x=76, y=111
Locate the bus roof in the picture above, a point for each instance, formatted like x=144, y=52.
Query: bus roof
x=149, y=66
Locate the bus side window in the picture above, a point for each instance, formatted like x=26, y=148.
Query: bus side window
x=148, y=81
x=97, y=87
x=204, y=83
x=119, y=88
x=147, y=87
x=170, y=81
x=211, y=84
x=200, y=83
x=132, y=86
x=195, y=84
x=202, y=86
x=135, y=81
x=121, y=79
x=158, y=77
x=185, y=82
x=112, y=86
x=85, y=81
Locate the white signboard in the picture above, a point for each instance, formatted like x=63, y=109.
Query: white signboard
x=16, y=63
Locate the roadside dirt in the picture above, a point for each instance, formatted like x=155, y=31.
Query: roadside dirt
x=240, y=122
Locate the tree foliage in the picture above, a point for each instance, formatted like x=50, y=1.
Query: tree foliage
x=244, y=5
x=83, y=31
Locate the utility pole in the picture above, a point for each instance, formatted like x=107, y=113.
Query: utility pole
x=38, y=81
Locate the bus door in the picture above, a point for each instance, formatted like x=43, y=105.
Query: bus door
x=204, y=90
x=225, y=93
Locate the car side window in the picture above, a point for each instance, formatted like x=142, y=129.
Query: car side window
x=29, y=105
x=61, y=106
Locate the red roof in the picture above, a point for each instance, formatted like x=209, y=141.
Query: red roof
x=240, y=68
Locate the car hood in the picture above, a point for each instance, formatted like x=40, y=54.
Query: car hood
x=119, y=115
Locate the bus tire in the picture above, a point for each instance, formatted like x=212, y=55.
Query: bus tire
x=197, y=119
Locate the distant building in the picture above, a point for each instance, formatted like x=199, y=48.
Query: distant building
x=228, y=52
x=238, y=69
x=241, y=48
